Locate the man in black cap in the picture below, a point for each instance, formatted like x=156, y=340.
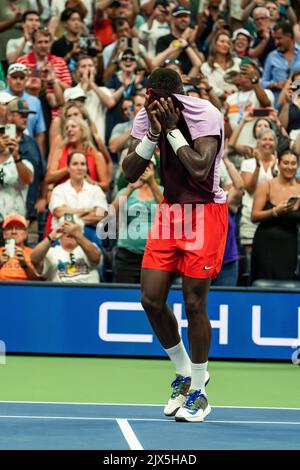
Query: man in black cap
x=181, y=17
x=17, y=113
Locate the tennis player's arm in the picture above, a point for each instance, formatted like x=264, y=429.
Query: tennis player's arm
x=133, y=165
x=198, y=160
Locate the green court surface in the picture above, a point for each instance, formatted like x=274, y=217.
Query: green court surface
x=112, y=380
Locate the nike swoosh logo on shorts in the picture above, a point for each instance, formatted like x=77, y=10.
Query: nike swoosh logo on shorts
x=206, y=268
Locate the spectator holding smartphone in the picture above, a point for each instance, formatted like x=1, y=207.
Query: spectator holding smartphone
x=276, y=208
x=250, y=95
x=15, y=263
x=66, y=255
x=16, y=174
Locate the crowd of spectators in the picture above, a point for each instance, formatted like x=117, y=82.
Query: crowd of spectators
x=73, y=76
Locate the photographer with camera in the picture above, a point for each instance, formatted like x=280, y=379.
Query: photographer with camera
x=15, y=263
x=66, y=255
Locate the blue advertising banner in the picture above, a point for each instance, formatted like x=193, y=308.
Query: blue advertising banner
x=109, y=320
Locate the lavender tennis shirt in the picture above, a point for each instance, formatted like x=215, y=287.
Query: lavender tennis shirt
x=199, y=118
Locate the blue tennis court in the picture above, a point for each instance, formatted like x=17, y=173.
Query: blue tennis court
x=70, y=426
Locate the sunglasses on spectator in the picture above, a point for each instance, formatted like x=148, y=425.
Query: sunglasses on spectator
x=128, y=57
x=172, y=61
x=43, y=29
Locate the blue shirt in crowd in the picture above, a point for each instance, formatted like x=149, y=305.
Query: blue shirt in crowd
x=277, y=68
x=29, y=150
x=35, y=122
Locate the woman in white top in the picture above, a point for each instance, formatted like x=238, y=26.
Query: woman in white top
x=262, y=167
x=221, y=61
x=77, y=196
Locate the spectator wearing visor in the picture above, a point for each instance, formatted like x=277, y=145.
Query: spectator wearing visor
x=242, y=40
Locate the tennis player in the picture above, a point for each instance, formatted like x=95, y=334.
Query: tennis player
x=189, y=232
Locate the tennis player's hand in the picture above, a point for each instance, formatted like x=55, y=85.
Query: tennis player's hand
x=152, y=115
x=167, y=114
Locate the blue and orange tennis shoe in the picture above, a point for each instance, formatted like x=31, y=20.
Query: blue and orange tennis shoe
x=180, y=386
x=195, y=408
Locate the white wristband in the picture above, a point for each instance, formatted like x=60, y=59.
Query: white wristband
x=176, y=140
x=145, y=148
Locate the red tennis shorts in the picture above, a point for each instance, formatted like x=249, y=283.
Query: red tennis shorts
x=187, y=239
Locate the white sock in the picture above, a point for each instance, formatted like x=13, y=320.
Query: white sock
x=180, y=359
x=198, y=376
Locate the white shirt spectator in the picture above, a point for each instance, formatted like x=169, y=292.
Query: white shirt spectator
x=13, y=44
x=13, y=192
x=150, y=36
x=96, y=109
x=216, y=75
x=248, y=228
x=64, y=266
x=90, y=197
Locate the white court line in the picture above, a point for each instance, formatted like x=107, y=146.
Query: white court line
x=121, y=421
x=140, y=404
x=132, y=440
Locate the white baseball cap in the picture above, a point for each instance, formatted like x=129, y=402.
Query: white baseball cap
x=6, y=98
x=14, y=68
x=74, y=93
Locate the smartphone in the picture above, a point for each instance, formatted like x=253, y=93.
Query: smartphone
x=11, y=131
x=293, y=199
x=10, y=244
x=196, y=81
x=123, y=41
x=245, y=61
x=83, y=42
x=261, y=112
x=2, y=130
x=68, y=217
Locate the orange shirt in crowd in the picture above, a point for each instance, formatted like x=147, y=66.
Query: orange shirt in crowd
x=12, y=270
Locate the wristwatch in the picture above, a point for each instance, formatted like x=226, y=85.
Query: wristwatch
x=254, y=80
